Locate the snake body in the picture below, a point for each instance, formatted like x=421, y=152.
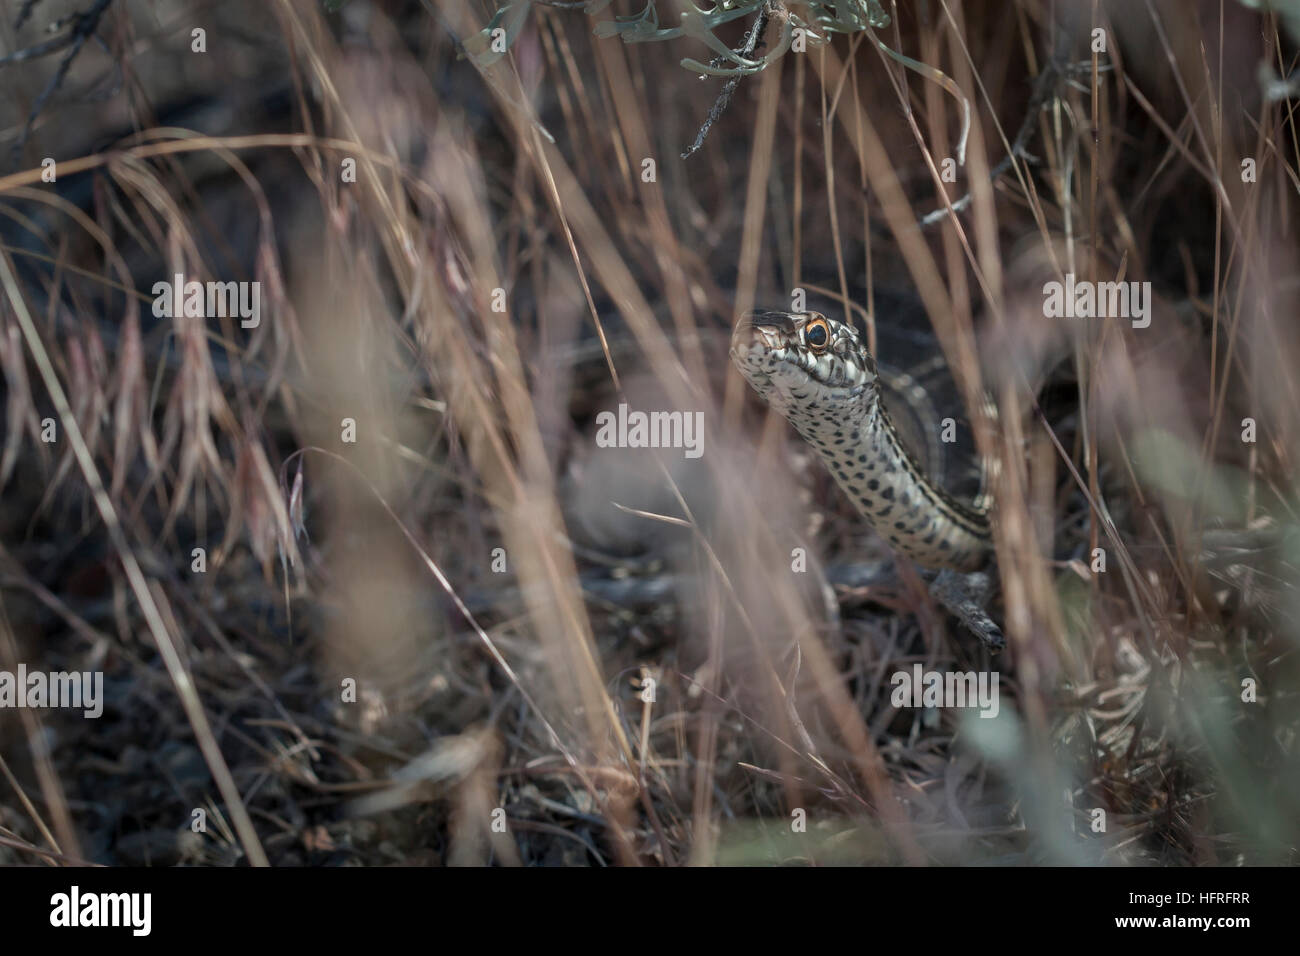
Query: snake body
x=818, y=373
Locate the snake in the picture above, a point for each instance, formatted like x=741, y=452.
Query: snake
x=818, y=373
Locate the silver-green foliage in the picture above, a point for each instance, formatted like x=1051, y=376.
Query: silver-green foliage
x=698, y=23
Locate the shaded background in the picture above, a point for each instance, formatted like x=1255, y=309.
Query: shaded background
x=350, y=680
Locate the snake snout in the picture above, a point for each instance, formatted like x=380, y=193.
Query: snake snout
x=781, y=321
x=769, y=329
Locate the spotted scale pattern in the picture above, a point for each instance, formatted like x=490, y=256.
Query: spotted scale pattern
x=818, y=374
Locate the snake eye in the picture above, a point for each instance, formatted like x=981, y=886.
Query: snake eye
x=817, y=334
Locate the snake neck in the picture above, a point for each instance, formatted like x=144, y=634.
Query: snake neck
x=870, y=463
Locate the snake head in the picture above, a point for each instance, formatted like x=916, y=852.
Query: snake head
x=803, y=360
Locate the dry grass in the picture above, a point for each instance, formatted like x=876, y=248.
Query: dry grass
x=525, y=692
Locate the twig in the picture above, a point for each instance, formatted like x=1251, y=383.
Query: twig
x=752, y=42
x=1043, y=86
x=24, y=12
x=83, y=28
